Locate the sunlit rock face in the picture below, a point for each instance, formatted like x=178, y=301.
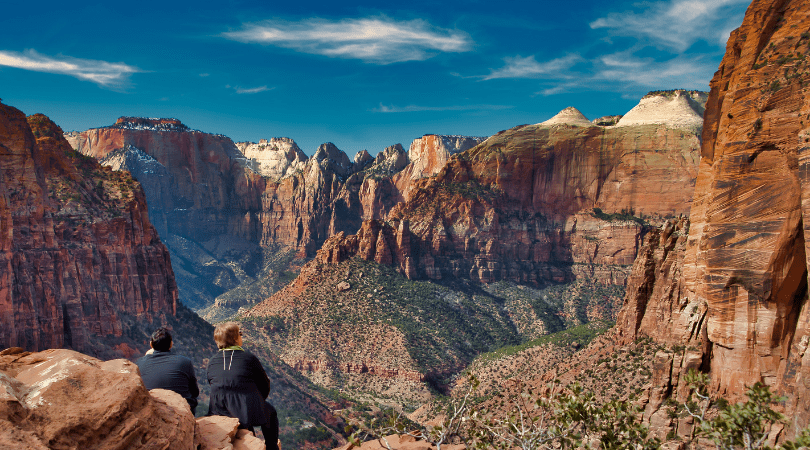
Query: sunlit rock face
x=740, y=302
x=274, y=158
x=63, y=399
x=79, y=257
x=533, y=203
x=221, y=206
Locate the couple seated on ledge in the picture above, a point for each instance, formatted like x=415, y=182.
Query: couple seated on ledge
x=239, y=384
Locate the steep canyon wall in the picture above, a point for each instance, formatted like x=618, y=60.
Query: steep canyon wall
x=79, y=256
x=736, y=293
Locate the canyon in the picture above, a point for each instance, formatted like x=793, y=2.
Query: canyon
x=241, y=214
x=724, y=292
x=556, y=210
x=84, y=269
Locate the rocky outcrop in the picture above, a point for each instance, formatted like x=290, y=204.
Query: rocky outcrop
x=61, y=399
x=223, y=433
x=80, y=258
x=740, y=303
x=64, y=399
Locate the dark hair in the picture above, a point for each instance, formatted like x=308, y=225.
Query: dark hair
x=161, y=340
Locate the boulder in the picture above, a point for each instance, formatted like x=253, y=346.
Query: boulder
x=62, y=399
x=222, y=433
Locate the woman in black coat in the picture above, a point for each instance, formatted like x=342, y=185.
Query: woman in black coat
x=239, y=385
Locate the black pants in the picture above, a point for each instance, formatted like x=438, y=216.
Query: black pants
x=269, y=428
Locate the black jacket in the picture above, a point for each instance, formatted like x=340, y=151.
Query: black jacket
x=239, y=386
x=166, y=370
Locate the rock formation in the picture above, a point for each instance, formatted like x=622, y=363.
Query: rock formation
x=64, y=399
x=80, y=258
x=61, y=399
x=275, y=158
x=569, y=116
x=536, y=206
x=736, y=296
x=534, y=203
x=677, y=108
x=231, y=214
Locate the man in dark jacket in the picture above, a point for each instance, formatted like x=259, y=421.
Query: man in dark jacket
x=162, y=369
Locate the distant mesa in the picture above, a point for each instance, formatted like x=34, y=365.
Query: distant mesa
x=569, y=116
x=144, y=123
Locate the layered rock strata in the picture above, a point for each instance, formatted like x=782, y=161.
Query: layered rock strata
x=740, y=303
x=80, y=258
x=531, y=204
x=224, y=209
x=536, y=205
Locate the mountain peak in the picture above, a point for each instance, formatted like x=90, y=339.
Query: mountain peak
x=677, y=108
x=569, y=116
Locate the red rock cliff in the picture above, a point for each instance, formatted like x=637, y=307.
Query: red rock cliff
x=78, y=255
x=536, y=204
x=740, y=301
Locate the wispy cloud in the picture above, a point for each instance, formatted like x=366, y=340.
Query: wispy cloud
x=683, y=71
x=528, y=67
x=373, y=40
x=256, y=90
x=103, y=73
x=416, y=108
x=676, y=24
x=659, y=54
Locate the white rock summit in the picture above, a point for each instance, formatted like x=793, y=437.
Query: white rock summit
x=274, y=158
x=677, y=109
x=569, y=116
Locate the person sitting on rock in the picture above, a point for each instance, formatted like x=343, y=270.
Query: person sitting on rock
x=162, y=369
x=239, y=385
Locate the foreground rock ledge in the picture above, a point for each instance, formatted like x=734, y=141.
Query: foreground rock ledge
x=62, y=399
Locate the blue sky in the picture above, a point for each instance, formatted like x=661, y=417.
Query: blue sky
x=363, y=75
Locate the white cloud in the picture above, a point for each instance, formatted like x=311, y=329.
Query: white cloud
x=373, y=40
x=659, y=54
x=415, y=108
x=677, y=24
x=256, y=90
x=528, y=67
x=100, y=72
x=682, y=71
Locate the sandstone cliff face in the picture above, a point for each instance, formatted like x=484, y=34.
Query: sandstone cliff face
x=79, y=255
x=534, y=205
x=275, y=158
x=226, y=211
x=741, y=300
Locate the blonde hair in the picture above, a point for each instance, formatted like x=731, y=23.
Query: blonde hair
x=226, y=334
